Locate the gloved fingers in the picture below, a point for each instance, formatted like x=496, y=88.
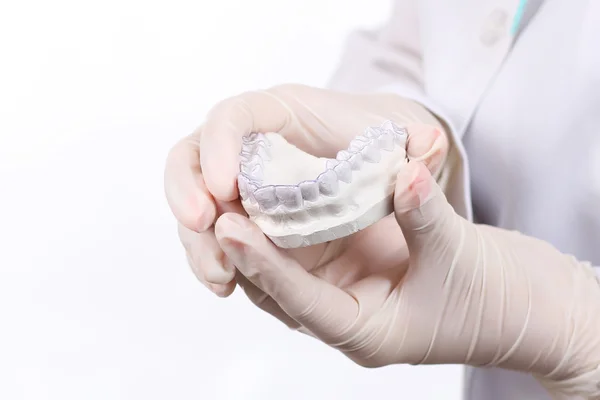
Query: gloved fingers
x=229, y=207
x=265, y=302
x=342, y=271
x=427, y=144
x=221, y=140
x=420, y=206
x=324, y=309
x=305, y=331
x=186, y=192
x=207, y=260
x=375, y=289
x=310, y=257
x=218, y=289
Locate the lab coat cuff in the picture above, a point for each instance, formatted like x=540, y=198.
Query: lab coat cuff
x=455, y=179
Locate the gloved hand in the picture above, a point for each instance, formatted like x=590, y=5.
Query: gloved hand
x=201, y=171
x=471, y=294
x=468, y=294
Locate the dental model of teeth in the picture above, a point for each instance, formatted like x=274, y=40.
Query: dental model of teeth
x=299, y=200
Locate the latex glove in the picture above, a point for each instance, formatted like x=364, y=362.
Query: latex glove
x=472, y=294
x=201, y=172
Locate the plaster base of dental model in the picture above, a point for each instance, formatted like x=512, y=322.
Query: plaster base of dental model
x=299, y=200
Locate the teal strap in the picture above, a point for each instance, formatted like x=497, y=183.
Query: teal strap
x=517, y=18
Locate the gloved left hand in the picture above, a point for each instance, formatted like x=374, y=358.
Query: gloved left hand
x=467, y=293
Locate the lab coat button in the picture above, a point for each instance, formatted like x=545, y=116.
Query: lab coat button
x=494, y=27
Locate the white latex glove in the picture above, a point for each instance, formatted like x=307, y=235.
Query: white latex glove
x=472, y=294
x=201, y=172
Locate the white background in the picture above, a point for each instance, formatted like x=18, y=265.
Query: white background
x=96, y=299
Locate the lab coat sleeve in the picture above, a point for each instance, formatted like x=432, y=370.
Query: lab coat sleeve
x=389, y=60
x=384, y=56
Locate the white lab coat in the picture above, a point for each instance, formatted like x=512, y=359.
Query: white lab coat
x=518, y=83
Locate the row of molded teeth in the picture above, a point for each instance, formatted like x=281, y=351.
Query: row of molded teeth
x=364, y=148
x=255, y=151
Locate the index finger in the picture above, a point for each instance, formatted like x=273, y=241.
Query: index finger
x=221, y=139
x=186, y=192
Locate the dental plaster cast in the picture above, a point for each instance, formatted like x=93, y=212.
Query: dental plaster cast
x=299, y=200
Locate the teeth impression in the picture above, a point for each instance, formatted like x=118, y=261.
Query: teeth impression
x=328, y=183
x=309, y=190
x=343, y=171
x=289, y=196
x=281, y=202
x=266, y=197
x=371, y=153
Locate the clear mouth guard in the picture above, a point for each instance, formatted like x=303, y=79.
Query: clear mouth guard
x=300, y=200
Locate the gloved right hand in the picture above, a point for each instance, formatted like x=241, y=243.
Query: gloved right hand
x=201, y=171
x=472, y=294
